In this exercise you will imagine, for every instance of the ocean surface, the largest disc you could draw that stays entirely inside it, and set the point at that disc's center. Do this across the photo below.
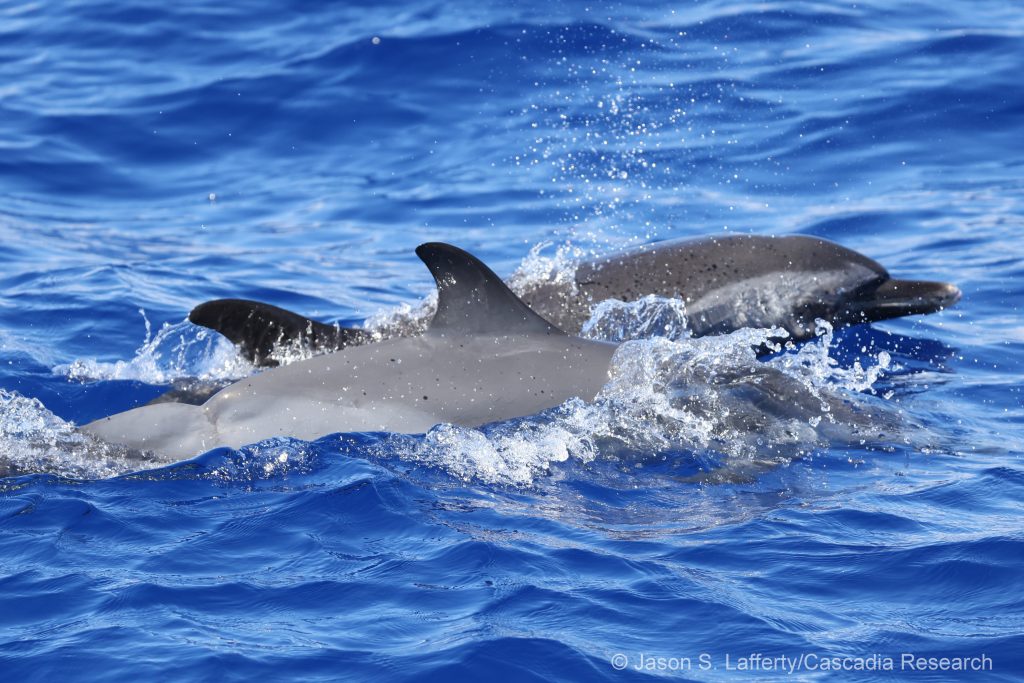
(157, 155)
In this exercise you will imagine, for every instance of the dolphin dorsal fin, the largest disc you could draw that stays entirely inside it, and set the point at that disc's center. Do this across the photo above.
(471, 299)
(258, 329)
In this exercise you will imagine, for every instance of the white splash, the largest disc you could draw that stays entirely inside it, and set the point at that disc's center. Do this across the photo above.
(540, 269)
(646, 318)
(668, 394)
(816, 368)
(178, 351)
(32, 439)
(403, 320)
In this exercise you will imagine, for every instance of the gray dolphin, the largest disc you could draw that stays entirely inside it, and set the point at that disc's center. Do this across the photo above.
(727, 283)
(484, 357)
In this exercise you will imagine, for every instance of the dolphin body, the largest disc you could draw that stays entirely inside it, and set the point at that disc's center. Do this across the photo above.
(727, 283)
(484, 357)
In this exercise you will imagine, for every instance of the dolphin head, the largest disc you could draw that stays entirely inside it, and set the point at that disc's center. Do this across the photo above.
(894, 298)
(861, 290)
(734, 281)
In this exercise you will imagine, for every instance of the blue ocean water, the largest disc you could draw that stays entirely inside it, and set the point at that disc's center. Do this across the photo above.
(154, 157)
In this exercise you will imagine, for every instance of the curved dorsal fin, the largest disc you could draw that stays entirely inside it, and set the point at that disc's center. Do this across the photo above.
(471, 299)
(258, 329)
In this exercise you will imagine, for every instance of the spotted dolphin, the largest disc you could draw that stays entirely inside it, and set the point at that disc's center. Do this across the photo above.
(485, 356)
(727, 283)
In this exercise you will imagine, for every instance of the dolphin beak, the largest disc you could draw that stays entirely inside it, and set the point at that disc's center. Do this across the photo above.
(895, 298)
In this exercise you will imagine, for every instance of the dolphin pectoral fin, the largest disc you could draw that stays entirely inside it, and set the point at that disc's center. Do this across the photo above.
(258, 328)
(471, 299)
(896, 298)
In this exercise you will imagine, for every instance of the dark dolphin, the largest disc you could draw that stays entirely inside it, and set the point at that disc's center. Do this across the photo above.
(727, 283)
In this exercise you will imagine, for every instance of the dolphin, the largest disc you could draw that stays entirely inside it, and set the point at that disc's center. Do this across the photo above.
(726, 282)
(485, 357)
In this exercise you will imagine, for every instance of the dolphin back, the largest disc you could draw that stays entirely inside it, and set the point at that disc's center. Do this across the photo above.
(485, 357)
(727, 282)
(169, 430)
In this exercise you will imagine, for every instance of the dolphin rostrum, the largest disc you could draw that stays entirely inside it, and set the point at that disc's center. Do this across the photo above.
(484, 357)
(727, 283)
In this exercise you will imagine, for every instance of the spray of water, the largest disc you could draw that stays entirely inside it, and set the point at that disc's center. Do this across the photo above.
(711, 399)
(177, 351)
(32, 439)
